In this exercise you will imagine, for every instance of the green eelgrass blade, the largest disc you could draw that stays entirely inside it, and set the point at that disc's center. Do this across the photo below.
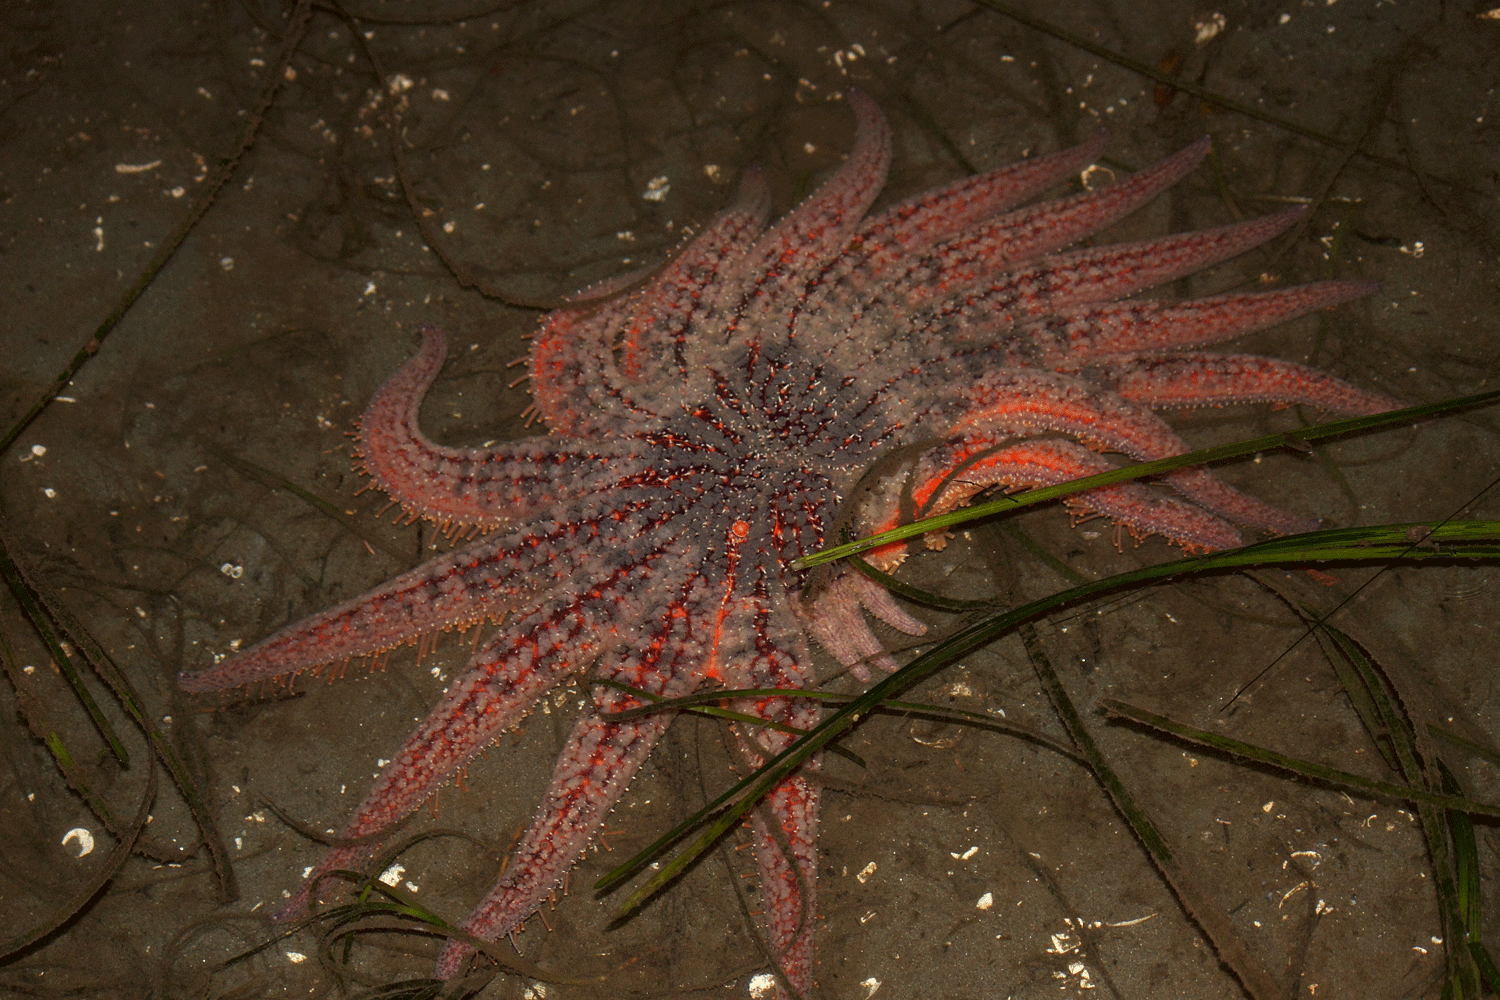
(1393, 724)
(1294, 439)
(379, 906)
(1466, 539)
(1465, 861)
(65, 665)
(1209, 917)
(704, 702)
(1460, 895)
(1462, 979)
(50, 616)
(944, 713)
(1455, 881)
(85, 889)
(1477, 749)
(1457, 887)
(1357, 688)
(660, 704)
(1343, 780)
(32, 710)
(1485, 964)
(916, 594)
(1144, 829)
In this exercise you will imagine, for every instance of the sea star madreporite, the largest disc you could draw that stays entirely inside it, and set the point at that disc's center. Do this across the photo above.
(713, 425)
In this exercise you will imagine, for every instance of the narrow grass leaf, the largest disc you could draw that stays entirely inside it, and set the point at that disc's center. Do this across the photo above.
(1209, 916)
(1343, 780)
(1394, 723)
(1354, 684)
(54, 612)
(1486, 965)
(87, 888)
(1465, 862)
(916, 594)
(42, 625)
(921, 709)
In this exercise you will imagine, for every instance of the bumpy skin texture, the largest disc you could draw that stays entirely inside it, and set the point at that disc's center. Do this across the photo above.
(707, 427)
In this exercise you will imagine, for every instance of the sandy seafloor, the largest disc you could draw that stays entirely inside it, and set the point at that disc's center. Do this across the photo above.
(166, 497)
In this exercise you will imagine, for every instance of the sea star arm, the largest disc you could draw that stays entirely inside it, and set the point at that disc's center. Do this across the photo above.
(1013, 401)
(920, 222)
(577, 386)
(785, 832)
(784, 827)
(835, 618)
(772, 283)
(679, 300)
(1075, 336)
(492, 693)
(899, 277)
(695, 625)
(596, 765)
(574, 385)
(1062, 281)
(486, 487)
(965, 260)
(457, 590)
(1194, 379)
(478, 581)
(883, 246)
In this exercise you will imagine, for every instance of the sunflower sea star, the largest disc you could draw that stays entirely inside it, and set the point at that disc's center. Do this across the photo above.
(706, 429)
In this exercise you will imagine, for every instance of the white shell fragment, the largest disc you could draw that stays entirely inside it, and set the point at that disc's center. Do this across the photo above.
(84, 837)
